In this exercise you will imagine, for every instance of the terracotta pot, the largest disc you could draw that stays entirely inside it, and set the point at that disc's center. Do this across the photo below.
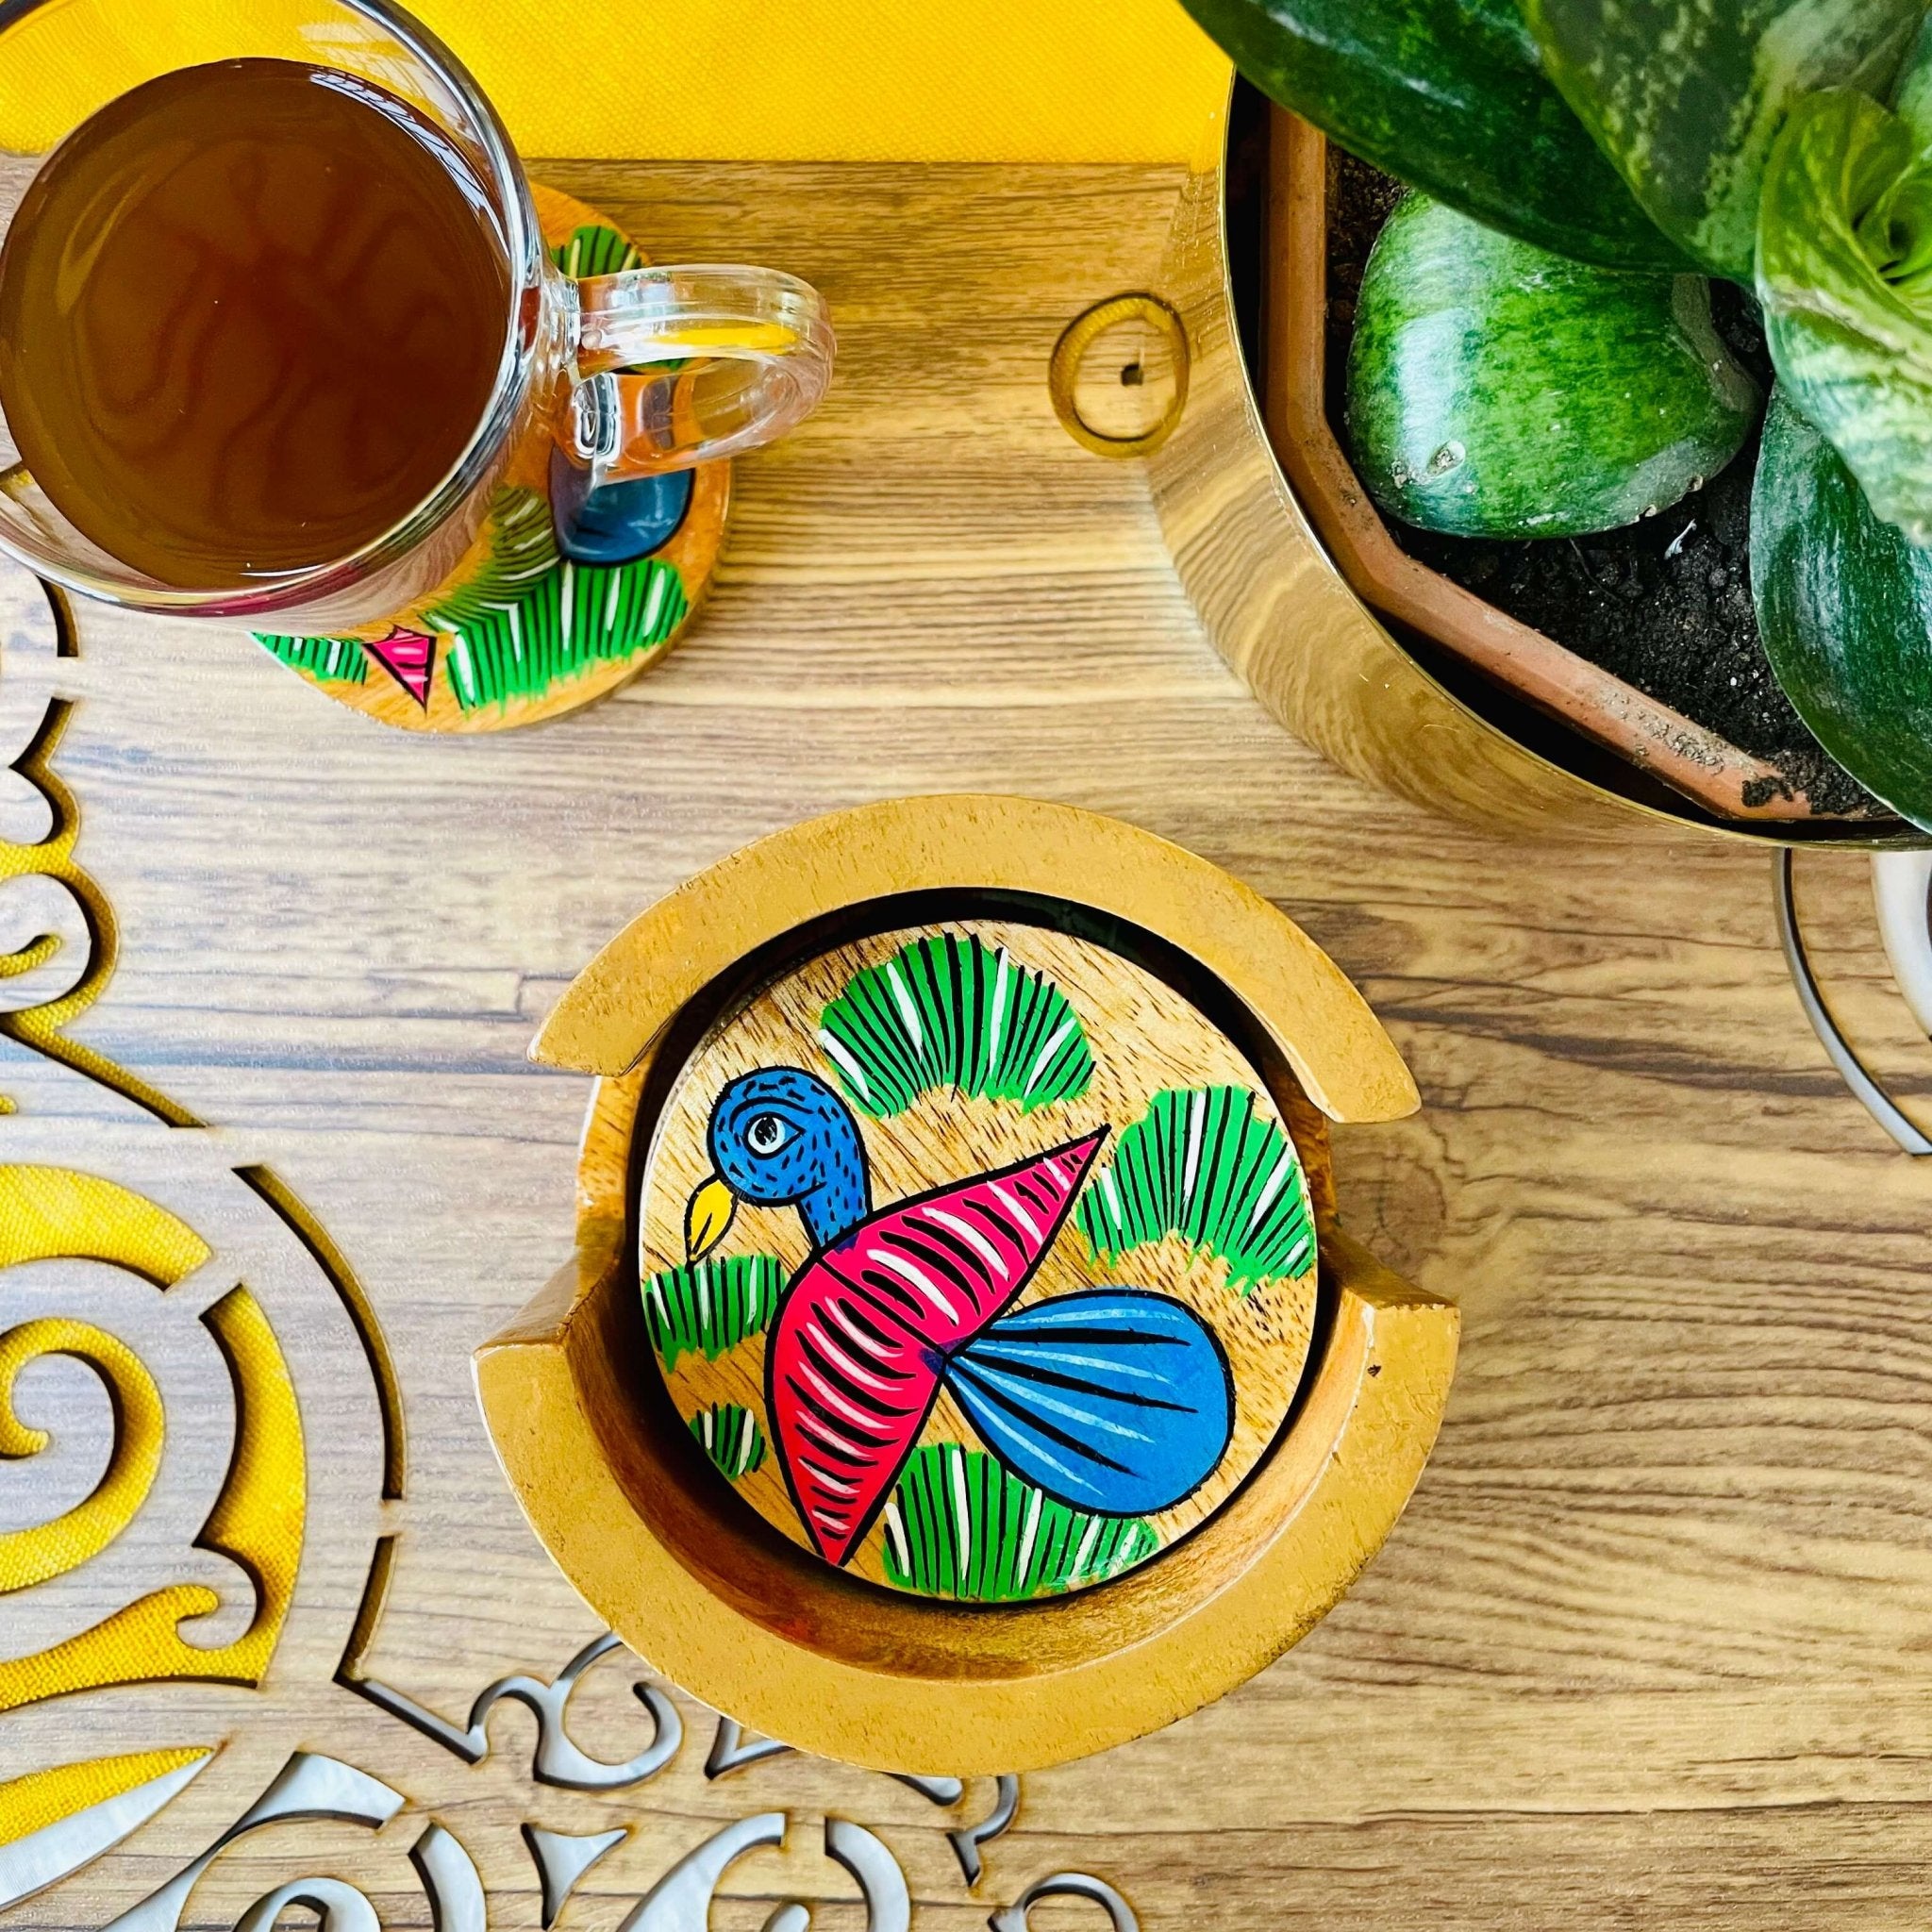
(1692, 760)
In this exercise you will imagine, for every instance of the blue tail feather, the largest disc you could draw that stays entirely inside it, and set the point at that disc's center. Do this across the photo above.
(1114, 1400)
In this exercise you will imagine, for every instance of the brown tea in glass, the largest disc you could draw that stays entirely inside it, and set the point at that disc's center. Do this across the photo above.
(251, 315)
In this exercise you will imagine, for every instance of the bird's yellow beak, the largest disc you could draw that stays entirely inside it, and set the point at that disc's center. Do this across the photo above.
(707, 1218)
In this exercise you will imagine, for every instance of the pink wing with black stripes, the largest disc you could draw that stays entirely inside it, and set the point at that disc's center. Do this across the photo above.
(866, 1330)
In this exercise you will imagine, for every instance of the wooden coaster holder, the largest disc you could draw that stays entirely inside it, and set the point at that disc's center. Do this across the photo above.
(747, 1619)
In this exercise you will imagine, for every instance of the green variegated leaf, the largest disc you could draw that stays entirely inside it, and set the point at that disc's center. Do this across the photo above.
(1446, 95)
(1687, 97)
(1911, 99)
(1844, 275)
(1844, 605)
(1496, 390)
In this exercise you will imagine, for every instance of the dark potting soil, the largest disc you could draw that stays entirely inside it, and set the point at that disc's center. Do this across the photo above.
(1664, 604)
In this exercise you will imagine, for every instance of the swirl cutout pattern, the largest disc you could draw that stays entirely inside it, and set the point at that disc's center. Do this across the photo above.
(257, 1519)
(32, 1555)
(58, 936)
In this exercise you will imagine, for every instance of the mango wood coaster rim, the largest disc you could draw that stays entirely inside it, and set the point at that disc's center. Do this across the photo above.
(746, 1620)
(642, 980)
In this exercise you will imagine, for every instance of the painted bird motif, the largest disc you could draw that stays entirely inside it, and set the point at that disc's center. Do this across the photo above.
(1115, 1400)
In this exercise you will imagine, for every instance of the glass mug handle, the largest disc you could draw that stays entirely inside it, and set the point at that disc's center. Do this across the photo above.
(676, 366)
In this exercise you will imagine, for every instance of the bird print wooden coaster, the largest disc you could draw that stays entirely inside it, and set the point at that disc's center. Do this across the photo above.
(562, 598)
(961, 1366)
(977, 1259)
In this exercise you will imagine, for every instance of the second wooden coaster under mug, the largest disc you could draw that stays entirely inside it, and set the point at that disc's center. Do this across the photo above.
(536, 619)
(339, 375)
(964, 1368)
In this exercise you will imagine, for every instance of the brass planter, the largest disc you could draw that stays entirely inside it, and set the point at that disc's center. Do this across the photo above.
(1281, 611)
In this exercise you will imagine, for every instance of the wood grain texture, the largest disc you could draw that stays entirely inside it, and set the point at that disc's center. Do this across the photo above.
(1648, 1646)
(1311, 1013)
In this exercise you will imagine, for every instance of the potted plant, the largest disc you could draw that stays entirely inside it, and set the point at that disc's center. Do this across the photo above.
(1613, 211)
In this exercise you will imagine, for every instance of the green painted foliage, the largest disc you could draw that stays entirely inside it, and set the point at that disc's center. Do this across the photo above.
(522, 545)
(528, 620)
(1202, 1164)
(569, 620)
(1845, 276)
(959, 1524)
(950, 1012)
(595, 249)
(598, 249)
(1496, 390)
(729, 1435)
(327, 660)
(1687, 97)
(712, 1306)
(1844, 605)
(1448, 96)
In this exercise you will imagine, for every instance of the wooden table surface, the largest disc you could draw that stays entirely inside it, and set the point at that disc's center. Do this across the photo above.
(1653, 1643)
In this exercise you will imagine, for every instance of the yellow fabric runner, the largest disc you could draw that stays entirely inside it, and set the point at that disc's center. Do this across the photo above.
(47, 1797)
(996, 80)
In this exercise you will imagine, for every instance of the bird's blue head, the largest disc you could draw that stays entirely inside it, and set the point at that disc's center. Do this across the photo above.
(781, 1138)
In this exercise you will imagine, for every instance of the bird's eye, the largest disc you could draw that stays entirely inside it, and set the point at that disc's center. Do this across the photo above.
(766, 1134)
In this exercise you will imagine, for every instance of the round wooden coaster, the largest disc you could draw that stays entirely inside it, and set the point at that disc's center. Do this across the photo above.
(977, 1259)
(523, 633)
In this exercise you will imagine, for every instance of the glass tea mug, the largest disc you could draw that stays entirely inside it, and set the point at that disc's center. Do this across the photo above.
(630, 375)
